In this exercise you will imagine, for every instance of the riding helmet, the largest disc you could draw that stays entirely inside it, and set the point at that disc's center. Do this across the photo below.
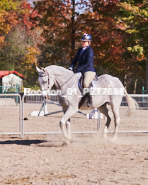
(86, 37)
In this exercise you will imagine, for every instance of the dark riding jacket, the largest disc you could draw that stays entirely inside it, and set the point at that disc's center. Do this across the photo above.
(85, 60)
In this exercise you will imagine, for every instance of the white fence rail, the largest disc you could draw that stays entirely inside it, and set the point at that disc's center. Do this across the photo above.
(49, 124)
(142, 100)
(18, 120)
(10, 114)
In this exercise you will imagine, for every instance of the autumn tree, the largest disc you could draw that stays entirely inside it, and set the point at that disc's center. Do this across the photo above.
(7, 17)
(52, 30)
(20, 43)
(112, 41)
(58, 20)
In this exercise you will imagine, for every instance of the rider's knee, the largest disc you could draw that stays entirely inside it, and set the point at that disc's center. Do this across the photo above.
(85, 84)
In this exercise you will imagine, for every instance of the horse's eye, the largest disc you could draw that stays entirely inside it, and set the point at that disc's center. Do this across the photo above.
(44, 81)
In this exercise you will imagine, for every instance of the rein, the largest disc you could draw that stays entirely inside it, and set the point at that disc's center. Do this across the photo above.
(68, 80)
(53, 80)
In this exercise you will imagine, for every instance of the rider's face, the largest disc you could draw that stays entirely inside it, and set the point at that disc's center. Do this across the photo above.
(84, 43)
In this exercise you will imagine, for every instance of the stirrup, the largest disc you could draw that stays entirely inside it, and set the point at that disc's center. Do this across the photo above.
(89, 104)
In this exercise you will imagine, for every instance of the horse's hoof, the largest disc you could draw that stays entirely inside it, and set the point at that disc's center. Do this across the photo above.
(71, 140)
(105, 136)
(113, 139)
(65, 143)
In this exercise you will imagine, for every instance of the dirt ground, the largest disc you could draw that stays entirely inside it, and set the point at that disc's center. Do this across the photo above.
(43, 160)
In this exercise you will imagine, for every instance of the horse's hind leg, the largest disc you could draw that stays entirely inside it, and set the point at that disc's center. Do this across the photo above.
(103, 109)
(115, 109)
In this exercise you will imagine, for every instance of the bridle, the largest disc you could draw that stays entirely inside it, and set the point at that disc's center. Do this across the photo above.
(48, 80)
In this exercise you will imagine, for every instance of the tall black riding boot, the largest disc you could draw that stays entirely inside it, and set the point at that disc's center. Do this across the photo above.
(89, 100)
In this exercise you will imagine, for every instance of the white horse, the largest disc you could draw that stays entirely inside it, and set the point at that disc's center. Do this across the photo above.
(65, 79)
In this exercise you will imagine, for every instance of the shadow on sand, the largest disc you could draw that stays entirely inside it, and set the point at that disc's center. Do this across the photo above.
(39, 143)
(22, 142)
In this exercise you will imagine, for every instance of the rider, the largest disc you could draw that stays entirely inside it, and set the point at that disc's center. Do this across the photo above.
(85, 58)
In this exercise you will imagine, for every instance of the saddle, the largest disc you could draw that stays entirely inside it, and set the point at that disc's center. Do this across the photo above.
(81, 82)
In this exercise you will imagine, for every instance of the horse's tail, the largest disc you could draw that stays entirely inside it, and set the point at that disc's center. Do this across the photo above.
(132, 103)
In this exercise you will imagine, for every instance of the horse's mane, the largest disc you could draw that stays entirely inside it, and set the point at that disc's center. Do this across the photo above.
(58, 70)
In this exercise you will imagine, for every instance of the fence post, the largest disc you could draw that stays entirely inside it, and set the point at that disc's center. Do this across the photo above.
(99, 121)
(142, 93)
(22, 115)
(17, 93)
(5, 91)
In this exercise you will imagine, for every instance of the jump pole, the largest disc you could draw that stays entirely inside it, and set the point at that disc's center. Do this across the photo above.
(41, 109)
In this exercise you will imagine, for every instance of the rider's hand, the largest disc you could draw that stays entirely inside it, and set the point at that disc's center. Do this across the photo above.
(70, 68)
(75, 70)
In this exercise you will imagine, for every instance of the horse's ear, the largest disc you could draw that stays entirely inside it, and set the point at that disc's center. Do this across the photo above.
(38, 70)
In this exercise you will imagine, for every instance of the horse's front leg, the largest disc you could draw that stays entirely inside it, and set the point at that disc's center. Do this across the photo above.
(67, 134)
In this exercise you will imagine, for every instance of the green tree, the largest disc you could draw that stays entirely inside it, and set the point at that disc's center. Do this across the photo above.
(134, 14)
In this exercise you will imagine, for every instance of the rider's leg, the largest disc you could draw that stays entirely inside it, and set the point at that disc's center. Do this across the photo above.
(88, 77)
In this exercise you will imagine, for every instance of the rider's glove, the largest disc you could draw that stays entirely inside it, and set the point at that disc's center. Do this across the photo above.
(70, 68)
(75, 70)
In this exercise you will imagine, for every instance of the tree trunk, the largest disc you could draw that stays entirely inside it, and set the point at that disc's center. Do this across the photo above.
(147, 71)
(124, 79)
(73, 30)
(135, 86)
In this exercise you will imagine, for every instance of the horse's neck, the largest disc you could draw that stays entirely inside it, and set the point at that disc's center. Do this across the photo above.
(61, 75)
(65, 82)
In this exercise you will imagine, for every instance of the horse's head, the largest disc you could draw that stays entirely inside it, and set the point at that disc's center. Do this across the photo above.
(45, 80)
